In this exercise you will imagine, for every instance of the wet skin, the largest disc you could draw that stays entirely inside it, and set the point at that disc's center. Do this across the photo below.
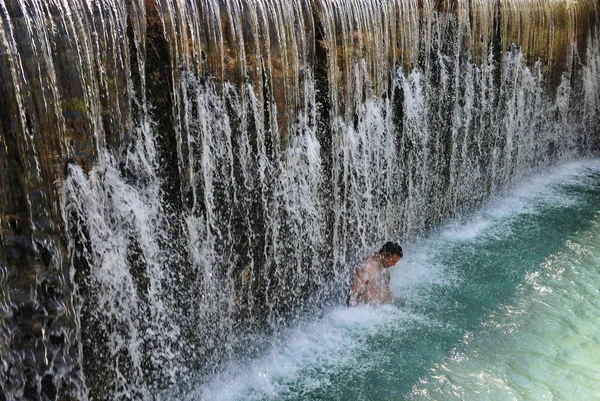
(371, 281)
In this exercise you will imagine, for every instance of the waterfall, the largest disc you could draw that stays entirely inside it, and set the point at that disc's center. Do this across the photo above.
(180, 175)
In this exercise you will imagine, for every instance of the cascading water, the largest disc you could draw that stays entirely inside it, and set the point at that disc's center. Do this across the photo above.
(184, 174)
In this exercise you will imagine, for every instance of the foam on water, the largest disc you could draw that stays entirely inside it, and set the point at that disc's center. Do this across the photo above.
(520, 348)
(302, 358)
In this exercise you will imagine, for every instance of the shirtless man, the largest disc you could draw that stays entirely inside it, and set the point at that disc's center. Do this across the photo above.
(371, 281)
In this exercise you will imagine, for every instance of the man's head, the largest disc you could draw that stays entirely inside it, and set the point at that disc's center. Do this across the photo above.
(390, 253)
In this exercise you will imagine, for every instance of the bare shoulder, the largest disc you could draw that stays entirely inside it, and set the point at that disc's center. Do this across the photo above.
(366, 267)
(372, 262)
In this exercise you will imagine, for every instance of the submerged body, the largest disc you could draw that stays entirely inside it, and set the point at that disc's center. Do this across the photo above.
(371, 281)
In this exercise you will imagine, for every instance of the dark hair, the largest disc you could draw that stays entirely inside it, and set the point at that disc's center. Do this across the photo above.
(391, 248)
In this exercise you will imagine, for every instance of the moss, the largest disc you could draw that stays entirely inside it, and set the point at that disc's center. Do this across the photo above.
(74, 104)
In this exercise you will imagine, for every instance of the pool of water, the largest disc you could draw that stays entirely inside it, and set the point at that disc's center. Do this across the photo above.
(502, 304)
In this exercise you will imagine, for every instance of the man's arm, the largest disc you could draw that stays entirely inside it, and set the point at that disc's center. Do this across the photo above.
(386, 295)
(356, 287)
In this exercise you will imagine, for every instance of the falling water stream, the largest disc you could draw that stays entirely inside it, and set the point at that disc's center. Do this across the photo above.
(499, 304)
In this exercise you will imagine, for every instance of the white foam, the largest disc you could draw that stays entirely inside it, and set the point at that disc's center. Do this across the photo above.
(303, 357)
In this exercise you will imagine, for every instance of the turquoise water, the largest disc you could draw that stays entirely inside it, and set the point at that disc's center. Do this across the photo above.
(502, 304)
